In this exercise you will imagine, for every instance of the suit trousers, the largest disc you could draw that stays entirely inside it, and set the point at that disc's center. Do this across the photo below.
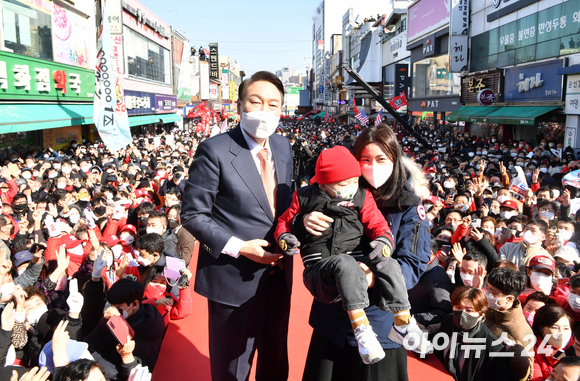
(235, 333)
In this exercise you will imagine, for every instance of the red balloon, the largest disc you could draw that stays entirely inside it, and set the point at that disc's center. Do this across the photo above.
(356, 126)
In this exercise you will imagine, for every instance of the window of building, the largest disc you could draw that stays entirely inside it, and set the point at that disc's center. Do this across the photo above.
(27, 29)
(145, 58)
(431, 77)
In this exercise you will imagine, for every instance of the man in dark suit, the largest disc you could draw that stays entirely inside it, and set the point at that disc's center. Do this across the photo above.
(235, 193)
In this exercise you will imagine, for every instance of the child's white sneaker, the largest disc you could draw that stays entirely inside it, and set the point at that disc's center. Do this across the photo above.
(369, 346)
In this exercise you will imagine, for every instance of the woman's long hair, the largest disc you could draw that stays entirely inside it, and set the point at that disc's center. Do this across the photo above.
(392, 190)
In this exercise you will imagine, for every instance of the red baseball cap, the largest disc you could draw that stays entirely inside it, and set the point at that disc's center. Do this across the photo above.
(510, 205)
(111, 240)
(70, 241)
(129, 228)
(543, 262)
(141, 193)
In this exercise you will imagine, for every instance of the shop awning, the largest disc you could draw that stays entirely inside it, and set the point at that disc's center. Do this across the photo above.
(143, 119)
(500, 114)
(321, 114)
(31, 117)
(170, 118)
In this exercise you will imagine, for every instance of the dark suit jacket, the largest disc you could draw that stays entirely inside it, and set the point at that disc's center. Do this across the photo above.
(224, 197)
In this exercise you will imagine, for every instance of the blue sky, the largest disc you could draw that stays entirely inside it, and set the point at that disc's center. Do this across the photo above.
(259, 34)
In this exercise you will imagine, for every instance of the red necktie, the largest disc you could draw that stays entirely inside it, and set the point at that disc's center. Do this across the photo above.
(268, 179)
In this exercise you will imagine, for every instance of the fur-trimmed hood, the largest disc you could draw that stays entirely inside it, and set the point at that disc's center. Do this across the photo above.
(416, 182)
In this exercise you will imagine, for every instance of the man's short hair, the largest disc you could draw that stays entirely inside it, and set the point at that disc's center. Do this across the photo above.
(508, 281)
(160, 215)
(265, 76)
(174, 191)
(541, 224)
(151, 243)
(145, 208)
(125, 291)
(476, 256)
(569, 361)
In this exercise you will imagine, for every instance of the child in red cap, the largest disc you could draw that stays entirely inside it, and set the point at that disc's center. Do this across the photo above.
(332, 272)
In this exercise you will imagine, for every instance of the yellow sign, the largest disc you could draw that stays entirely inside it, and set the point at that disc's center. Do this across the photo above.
(59, 138)
(232, 91)
(476, 85)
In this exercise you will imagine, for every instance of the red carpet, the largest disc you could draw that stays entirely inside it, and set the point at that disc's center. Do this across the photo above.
(185, 351)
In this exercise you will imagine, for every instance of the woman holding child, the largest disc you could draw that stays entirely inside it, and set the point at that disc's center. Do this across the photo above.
(398, 186)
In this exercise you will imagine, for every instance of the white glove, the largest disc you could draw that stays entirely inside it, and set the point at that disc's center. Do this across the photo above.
(75, 300)
(90, 219)
(140, 373)
(118, 212)
(53, 229)
(99, 265)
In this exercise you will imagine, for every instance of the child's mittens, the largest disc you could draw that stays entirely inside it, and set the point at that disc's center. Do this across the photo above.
(288, 243)
(381, 252)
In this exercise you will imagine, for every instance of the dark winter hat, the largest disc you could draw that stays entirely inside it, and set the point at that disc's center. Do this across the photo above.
(336, 164)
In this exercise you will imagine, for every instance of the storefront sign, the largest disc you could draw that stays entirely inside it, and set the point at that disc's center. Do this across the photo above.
(213, 91)
(139, 102)
(572, 106)
(69, 38)
(29, 78)
(570, 137)
(426, 16)
(486, 97)
(165, 103)
(458, 59)
(471, 85)
(59, 138)
(446, 104)
(401, 79)
(459, 18)
(214, 65)
(204, 80)
(232, 91)
(114, 13)
(429, 46)
(142, 18)
(538, 82)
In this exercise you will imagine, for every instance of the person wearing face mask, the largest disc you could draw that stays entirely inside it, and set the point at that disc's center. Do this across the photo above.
(504, 314)
(522, 253)
(472, 270)
(127, 236)
(248, 167)
(554, 321)
(332, 273)
(469, 308)
(125, 297)
(541, 276)
(185, 241)
(568, 297)
(567, 256)
(170, 307)
(157, 223)
(430, 298)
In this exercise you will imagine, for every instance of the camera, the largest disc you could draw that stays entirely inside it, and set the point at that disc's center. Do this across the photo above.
(177, 176)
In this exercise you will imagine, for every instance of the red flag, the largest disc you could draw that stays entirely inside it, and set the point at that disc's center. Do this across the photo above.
(399, 101)
(326, 117)
(354, 105)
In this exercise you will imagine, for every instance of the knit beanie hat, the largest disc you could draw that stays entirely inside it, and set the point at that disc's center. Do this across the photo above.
(336, 164)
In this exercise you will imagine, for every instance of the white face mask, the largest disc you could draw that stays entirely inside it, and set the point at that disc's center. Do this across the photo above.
(461, 207)
(541, 282)
(35, 315)
(467, 279)
(52, 175)
(26, 175)
(151, 229)
(127, 239)
(259, 124)
(547, 214)
(492, 301)
(574, 302)
(344, 193)
(505, 214)
(74, 218)
(85, 168)
(61, 185)
(451, 275)
(7, 289)
(56, 166)
(544, 170)
(565, 235)
(66, 170)
(530, 238)
(143, 261)
(376, 175)
(503, 198)
(117, 251)
(490, 231)
(448, 184)
(560, 340)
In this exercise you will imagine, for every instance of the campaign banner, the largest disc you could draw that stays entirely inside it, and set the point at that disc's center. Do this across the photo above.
(572, 178)
(109, 110)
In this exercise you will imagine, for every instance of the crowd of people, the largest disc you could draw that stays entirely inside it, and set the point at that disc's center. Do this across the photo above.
(97, 250)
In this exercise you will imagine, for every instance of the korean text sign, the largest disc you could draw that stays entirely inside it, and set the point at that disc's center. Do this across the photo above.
(29, 78)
